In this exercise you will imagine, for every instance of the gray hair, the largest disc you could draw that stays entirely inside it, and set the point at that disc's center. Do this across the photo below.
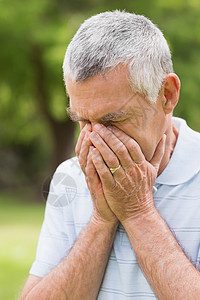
(107, 39)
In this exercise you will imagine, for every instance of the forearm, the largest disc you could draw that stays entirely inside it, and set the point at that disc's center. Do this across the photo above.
(167, 269)
(80, 274)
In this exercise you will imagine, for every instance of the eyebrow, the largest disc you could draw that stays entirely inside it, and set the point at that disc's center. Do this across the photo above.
(106, 118)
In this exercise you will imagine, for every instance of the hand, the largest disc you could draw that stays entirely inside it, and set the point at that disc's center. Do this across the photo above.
(82, 146)
(129, 190)
(101, 209)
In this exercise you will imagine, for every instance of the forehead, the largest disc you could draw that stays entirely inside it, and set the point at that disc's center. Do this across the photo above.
(100, 95)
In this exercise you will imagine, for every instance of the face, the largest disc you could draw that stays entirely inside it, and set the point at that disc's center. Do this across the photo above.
(110, 100)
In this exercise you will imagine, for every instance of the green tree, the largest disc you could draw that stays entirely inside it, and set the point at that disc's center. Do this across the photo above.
(35, 130)
(34, 36)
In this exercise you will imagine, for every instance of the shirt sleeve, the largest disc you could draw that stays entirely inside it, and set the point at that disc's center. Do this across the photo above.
(54, 244)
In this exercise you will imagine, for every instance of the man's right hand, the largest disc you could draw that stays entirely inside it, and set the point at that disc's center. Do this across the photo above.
(101, 209)
(83, 145)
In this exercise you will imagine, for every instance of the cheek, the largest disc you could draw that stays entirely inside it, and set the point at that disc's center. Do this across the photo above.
(147, 143)
(152, 138)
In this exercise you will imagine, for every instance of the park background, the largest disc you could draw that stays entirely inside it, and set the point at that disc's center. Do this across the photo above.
(35, 132)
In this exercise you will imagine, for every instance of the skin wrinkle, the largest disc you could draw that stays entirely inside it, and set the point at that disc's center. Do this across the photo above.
(136, 112)
(132, 147)
(104, 119)
(118, 153)
(136, 192)
(98, 140)
(138, 174)
(121, 148)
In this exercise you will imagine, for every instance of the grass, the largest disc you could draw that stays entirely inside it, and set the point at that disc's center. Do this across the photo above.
(20, 224)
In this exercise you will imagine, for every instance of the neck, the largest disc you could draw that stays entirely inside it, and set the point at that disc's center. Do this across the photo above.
(172, 135)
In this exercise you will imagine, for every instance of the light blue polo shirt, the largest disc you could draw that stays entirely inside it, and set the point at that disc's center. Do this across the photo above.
(69, 208)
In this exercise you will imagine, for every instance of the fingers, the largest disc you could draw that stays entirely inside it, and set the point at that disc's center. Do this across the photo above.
(84, 151)
(107, 154)
(117, 147)
(126, 149)
(158, 155)
(132, 146)
(86, 128)
(82, 147)
(101, 209)
(102, 170)
(91, 174)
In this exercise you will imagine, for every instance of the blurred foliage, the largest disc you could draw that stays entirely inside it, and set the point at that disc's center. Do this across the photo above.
(45, 27)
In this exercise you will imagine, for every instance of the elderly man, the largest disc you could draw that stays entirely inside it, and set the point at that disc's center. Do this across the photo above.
(122, 219)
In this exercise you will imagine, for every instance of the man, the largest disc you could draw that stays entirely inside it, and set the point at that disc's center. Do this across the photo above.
(128, 227)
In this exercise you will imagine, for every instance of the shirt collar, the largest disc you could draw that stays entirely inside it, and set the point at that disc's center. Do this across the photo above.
(185, 160)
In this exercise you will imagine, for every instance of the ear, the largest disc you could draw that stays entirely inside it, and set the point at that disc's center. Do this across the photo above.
(171, 92)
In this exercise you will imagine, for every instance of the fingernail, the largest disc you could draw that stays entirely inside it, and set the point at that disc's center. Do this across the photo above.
(111, 128)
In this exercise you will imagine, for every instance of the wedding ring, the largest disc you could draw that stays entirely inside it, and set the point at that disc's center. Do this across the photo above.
(113, 170)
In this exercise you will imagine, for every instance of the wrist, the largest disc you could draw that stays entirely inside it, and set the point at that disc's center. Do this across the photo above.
(141, 217)
(97, 221)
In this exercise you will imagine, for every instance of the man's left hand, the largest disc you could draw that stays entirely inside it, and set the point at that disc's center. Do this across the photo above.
(129, 191)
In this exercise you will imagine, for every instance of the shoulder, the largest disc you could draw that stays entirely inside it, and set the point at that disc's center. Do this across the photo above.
(69, 170)
(67, 182)
(69, 165)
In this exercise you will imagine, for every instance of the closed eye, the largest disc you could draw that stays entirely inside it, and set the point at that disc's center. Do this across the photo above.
(120, 121)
